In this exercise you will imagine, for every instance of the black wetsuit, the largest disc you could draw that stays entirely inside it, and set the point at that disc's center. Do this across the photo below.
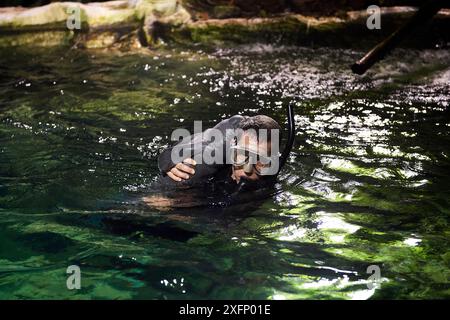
(199, 143)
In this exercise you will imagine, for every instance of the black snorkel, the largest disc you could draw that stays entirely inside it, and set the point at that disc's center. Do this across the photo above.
(291, 137)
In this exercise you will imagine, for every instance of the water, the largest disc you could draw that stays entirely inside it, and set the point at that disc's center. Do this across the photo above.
(366, 184)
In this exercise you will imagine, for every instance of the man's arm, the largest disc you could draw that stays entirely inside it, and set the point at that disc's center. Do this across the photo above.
(164, 161)
(182, 170)
(190, 145)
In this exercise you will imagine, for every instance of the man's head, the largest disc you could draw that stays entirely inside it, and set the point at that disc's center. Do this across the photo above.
(254, 147)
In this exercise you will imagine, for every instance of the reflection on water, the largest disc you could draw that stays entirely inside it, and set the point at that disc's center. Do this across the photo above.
(367, 182)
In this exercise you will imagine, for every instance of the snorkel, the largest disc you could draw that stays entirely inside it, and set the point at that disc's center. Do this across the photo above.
(291, 137)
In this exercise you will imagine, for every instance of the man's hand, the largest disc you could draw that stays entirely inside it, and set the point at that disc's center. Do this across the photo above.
(182, 171)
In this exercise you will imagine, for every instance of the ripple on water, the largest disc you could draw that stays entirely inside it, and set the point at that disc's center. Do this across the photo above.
(366, 184)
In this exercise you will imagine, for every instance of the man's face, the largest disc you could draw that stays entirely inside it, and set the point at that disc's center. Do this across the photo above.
(250, 142)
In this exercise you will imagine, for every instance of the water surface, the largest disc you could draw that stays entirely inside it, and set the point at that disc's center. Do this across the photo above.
(366, 184)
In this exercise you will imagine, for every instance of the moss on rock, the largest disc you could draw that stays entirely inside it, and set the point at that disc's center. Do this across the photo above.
(54, 16)
(39, 39)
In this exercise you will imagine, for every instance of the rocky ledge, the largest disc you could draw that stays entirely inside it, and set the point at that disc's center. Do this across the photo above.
(135, 24)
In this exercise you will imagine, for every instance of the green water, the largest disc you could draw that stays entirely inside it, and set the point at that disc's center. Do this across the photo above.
(366, 184)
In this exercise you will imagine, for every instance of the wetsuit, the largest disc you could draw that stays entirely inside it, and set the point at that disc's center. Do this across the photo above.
(200, 143)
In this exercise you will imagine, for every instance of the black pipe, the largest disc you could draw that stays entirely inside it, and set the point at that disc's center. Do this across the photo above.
(425, 13)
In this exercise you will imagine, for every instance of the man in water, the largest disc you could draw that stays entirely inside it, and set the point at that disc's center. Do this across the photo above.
(238, 150)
